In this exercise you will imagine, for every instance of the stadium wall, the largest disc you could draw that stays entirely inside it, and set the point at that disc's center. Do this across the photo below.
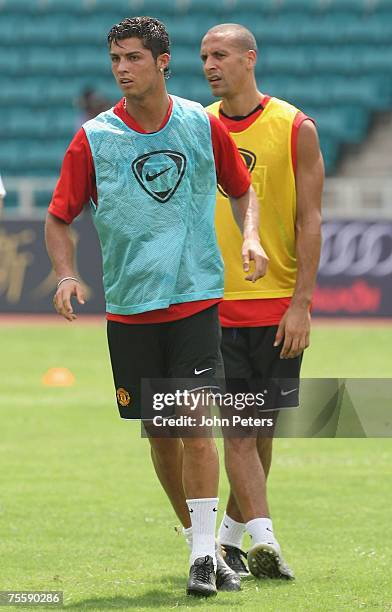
(355, 276)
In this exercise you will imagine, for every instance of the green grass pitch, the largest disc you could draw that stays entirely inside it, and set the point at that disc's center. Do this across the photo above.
(81, 510)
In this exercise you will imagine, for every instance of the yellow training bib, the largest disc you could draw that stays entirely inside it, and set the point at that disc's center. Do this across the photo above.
(266, 149)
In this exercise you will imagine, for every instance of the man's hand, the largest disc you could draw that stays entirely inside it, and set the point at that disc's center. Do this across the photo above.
(253, 251)
(62, 298)
(294, 329)
(246, 214)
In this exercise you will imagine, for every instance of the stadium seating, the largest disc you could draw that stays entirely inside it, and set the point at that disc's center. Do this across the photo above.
(331, 58)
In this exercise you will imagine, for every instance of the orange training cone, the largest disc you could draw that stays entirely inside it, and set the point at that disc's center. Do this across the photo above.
(58, 377)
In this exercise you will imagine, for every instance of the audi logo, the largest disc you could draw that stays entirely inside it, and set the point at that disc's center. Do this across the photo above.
(356, 248)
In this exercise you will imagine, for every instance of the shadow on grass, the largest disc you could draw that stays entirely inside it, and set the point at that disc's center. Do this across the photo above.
(165, 598)
(153, 599)
(161, 597)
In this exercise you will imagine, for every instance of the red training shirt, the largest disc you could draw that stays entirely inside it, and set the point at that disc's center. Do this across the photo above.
(77, 185)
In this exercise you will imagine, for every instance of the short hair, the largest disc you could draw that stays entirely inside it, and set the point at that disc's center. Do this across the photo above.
(149, 30)
(242, 36)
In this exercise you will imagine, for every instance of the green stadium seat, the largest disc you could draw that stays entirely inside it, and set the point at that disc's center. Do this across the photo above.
(206, 7)
(340, 127)
(12, 159)
(20, 92)
(190, 30)
(382, 5)
(25, 125)
(45, 31)
(271, 31)
(37, 124)
(161, 10)
(94, 7)
(301, 6)
(90, 60)
(50, 156)
(330, 150)
(45, 7)
(353, 6)
(377, 60)
(332, 57)
(325, 60)
(267, 7)
(65, 7)
(11, 64)
(24, 7)
(185, 60)
(88, 32)
(287, 60)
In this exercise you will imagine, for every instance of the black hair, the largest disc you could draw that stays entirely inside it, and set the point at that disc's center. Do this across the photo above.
(149, 30)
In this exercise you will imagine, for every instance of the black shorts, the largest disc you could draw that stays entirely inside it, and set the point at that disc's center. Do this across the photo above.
(252, 365)
(185, 354)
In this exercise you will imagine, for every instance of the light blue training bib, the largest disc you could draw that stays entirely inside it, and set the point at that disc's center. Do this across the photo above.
(155, 210)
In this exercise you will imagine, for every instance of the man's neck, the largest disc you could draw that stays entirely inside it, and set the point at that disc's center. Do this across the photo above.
(242, 103)
(149, 111)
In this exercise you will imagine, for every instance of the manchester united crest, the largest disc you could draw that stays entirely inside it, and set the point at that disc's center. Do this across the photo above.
(123, 397)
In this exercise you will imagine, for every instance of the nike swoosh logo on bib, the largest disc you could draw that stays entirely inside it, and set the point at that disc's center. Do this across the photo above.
(152, 177)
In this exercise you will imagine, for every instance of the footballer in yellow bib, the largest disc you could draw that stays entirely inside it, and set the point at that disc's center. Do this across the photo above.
(266, 324)
(266, 146)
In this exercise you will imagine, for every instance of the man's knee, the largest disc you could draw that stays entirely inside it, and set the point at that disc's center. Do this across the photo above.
(264, 444)
(165, 447)
(239, 446)
(199, 445)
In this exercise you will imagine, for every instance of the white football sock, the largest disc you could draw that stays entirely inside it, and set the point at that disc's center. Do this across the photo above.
(261, 531)
(231, 532)
(203, 518)
(188, 536)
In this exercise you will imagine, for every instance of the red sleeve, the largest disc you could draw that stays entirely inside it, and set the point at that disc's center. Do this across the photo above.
(298, 121)
(76, 184)
(231, 171)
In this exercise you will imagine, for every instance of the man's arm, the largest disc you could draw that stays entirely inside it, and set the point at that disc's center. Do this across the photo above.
(294, 327)
(60, 248)
(246, 214)
(75, 187)
(234, 178)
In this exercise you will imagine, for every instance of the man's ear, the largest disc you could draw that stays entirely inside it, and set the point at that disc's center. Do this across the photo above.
(251, 58)
(163, 61)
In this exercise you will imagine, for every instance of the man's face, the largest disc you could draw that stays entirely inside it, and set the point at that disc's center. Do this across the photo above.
(134, 67)
(226, 66)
